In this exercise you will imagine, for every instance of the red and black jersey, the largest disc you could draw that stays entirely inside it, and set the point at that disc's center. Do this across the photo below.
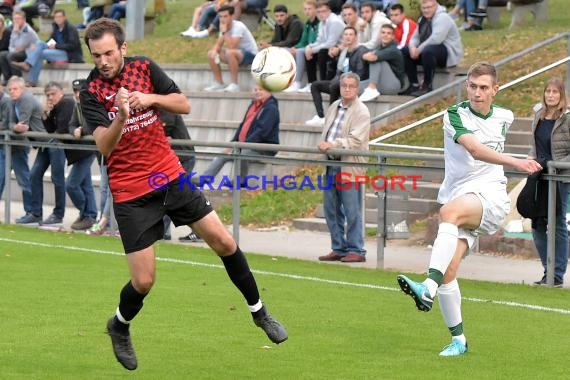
(143, 148)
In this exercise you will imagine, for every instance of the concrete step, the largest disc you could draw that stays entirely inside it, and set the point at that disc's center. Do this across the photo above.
(193, 77)
(521, 124)
(517, 149)
(519, 138)
(294, 134)
(294, 108)
(393, 214)
(317, 224)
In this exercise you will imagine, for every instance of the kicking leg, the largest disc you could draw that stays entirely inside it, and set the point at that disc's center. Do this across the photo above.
(464, 211)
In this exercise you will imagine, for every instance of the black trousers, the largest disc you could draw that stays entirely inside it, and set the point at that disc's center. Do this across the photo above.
(331, 87)
(323, 63)
(432, 56)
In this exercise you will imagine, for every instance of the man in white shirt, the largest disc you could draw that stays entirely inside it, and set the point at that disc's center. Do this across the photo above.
(235, 46)
(374, 21)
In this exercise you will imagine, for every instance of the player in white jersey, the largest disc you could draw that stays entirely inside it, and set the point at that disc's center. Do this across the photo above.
(473, 195)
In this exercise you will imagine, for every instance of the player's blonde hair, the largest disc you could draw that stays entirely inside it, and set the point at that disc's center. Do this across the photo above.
(483, 68)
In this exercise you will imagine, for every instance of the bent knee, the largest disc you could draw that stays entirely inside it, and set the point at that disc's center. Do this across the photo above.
(448, 214)
(143, 283)
(223, 244)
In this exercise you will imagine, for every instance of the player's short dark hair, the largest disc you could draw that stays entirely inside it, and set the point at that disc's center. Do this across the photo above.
(397, 7)
(323, 3)
(53, 84)
(368, 4)
(351, 28)
(351, 6)
(103, 26)
(56, 11)
(227, 8)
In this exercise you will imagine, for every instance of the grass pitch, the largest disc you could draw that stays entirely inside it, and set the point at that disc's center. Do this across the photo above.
(344, 323)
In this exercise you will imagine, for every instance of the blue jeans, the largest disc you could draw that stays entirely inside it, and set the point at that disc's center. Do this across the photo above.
(22, 171)
(256, 4)
(118, 11)
(539, 227)
(208, 16)
(106, 200)
(36, 58)
(80, 188)
(344, 207)
(46, 157)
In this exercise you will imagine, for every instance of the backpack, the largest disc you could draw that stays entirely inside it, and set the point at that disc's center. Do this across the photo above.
(532, 201)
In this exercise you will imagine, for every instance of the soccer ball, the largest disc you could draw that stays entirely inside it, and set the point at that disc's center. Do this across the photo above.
(274, 69)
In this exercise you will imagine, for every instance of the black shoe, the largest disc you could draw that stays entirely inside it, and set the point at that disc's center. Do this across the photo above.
(122, 346)
(167, 237)
(409, 90)
(474, 28)
(192, 237)
(479, 12)
(542, 281)
(558, 283)
(422, 91)
(51, 220)
(274, 330)
(29, 218)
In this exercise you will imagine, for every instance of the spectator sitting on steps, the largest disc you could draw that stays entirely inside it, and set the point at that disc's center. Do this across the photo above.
(63, 46)
(288, 29)
(235, 46)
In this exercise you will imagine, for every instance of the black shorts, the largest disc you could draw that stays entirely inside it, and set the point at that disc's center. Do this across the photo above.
(140, 220)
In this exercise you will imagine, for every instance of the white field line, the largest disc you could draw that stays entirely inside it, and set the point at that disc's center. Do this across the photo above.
(289, 276)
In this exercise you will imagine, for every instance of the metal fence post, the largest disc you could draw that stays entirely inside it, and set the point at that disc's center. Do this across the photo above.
(135, 20)
(236, 193)
(381, 218)
(551, 230)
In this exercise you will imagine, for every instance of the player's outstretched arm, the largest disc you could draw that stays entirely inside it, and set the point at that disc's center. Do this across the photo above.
(482, 152)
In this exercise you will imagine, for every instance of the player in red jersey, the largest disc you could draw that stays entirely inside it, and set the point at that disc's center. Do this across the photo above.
(119, 103)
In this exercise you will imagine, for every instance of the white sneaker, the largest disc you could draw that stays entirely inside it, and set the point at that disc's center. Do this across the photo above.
(307, 88)
(369, 94)
(293, 88)
(232, 87)
(316, 121)
(190, 32)
(201, 34)
(215, 87)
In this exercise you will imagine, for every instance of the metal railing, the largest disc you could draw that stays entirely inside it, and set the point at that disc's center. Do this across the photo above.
(458, 84)
(380, 162)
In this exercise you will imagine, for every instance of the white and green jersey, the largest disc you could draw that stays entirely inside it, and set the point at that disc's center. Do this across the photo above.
(463, 173)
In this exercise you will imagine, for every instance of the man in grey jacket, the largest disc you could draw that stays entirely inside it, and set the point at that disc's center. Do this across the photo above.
(331, 29)
(435, 43)
(22, 40)
(24, 115)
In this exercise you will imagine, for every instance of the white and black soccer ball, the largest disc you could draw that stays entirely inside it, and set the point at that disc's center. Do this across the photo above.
(274, 68)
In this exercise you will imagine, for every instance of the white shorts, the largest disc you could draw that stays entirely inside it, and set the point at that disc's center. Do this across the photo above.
(496, 206)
